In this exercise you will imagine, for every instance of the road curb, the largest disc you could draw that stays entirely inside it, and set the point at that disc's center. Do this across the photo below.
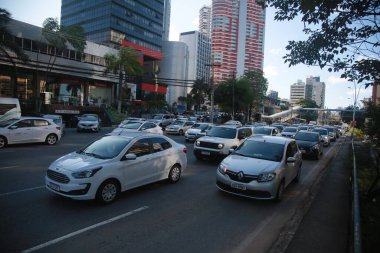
(288, 231)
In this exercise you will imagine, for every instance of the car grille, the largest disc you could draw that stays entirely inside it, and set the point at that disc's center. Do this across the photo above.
(247, 193)
(204, 144)
(58, 177)
(244, 179)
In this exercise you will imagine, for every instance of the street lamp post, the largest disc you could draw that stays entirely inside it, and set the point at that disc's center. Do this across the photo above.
(212, 65)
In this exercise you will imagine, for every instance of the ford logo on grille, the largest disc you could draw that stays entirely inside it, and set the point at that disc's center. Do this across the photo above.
(240, 175)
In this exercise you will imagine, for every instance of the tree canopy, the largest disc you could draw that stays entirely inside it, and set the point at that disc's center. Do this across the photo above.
(308, 115)
(343, 36)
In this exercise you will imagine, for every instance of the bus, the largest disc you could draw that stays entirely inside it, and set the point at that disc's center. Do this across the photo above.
(9, 108)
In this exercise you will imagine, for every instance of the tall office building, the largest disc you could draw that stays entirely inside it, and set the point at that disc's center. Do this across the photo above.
(297, 92)
(199, 46)
(139, 24)
(316, 90)
(205, 20)
(237, 37)
(166, 24)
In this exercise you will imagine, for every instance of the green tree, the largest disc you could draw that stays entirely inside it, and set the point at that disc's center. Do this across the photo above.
(259, 85)
(308, 115)
(8, 46)
(59, 37)
(153, 101)
(124, 63)
(342, 36)
(199, 92)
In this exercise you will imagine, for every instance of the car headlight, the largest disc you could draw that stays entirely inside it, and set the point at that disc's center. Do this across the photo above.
(220, 145)
(85, 173)
(197, 143)
(315, 146)
(222, 169)
(266, 177)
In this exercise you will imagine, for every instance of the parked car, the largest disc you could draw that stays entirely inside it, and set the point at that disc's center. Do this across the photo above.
(261, 167)
(148, 127)
(179, 127)
(233, 122)
(196, 131)
(131, 119)
(29, 130)
(115, 163)
(324, 134)
(289, 132)
(280, 127)
(332, 132)
(57, 119)
(163, 120)
(88, 122)
(219, 140)
(266, 130)
(310, 144)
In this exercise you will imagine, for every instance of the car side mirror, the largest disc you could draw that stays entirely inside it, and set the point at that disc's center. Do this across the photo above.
(231, 150)
(130, 157)
(291, 160)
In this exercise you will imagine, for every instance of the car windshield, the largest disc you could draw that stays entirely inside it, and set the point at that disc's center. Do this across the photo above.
(261, 150)
(158, 117)
(178, 122)
(222, 132)
(89, 118)
(262, 130)
(106, 147)
(7, 122)
(303, 128)
(306, 136)
(290, 129)
(320, 131)
(132, 125)
(200, 126)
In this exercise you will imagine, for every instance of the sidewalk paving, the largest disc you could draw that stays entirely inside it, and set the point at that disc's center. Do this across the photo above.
(326, 226)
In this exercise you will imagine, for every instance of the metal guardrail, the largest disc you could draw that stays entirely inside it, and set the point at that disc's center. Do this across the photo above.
(357, 245)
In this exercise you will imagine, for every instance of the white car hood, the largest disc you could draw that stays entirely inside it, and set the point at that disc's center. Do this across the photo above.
(251, 166)
(193, 131)
(75, 162)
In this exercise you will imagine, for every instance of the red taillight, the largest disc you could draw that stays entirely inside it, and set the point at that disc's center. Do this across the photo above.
(184, 150)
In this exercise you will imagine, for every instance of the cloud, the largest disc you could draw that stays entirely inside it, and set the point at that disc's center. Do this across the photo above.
(336, 80)
(276, 51)
(270, 71)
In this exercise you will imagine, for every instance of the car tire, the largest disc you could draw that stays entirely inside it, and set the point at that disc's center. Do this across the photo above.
(51, 139)
(280, 191)
(180, 132)
(108, 191)
(3, 141)
(174, 173)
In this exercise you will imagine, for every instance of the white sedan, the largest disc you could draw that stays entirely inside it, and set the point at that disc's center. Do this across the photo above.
(148, 127)
(115, 163)
(29, 130)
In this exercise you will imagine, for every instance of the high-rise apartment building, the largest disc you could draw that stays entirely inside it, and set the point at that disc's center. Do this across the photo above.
(199, 46)
(297, 92)
(166, 24)
(205, 20)
(316, 90)
(237, 37)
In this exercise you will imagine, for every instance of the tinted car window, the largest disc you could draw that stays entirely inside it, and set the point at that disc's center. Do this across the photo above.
(140, 148)
(261, 150)
(39, 123)
(262, 130)
(306, 136)
(160, 144)
(291, 149)
(290, 129)
(24, 123)
(320, 131)
(222, 132)
(106, 147)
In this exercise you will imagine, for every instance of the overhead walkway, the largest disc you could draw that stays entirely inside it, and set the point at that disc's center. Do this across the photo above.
(284, 115)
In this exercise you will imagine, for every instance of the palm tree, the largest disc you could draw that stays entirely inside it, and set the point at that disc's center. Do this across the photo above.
(199, 91)
(125, 63)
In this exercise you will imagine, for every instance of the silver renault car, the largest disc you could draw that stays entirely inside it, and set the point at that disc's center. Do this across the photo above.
(261, 167)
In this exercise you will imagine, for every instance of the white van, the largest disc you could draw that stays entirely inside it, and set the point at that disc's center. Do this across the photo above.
(9, 108)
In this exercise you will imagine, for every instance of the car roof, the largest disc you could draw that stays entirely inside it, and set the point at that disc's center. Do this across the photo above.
(134, 134)
(269, 138)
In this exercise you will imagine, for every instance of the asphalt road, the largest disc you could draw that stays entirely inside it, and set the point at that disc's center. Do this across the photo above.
(190, 216)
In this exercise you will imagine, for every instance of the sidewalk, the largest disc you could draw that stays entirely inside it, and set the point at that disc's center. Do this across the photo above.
(326, 226)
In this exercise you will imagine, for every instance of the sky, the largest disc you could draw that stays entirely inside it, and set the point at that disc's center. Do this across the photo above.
(184, 18)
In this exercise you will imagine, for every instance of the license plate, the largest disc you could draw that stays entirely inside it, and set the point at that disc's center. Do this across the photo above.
(205, 153)
(53, 186)
(238, 186)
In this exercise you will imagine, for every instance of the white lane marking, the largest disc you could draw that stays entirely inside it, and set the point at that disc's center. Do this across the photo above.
(24, 190)
(9, 167)
(54, 241)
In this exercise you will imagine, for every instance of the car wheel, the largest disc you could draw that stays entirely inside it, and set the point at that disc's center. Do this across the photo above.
(175, 174)
(180, 132)
(108, 191)
(51, 139)
(280, 191)
(3, 141)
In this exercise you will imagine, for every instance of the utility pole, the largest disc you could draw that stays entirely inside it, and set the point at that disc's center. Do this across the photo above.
(233, 93)
(212, 65)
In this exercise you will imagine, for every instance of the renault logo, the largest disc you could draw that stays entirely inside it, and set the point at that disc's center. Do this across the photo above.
(240, 175)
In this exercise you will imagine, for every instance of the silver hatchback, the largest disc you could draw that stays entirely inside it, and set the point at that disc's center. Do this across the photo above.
(261, 167)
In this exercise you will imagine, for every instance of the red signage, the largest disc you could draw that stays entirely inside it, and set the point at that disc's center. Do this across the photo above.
(145, 51)
(153, 88)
